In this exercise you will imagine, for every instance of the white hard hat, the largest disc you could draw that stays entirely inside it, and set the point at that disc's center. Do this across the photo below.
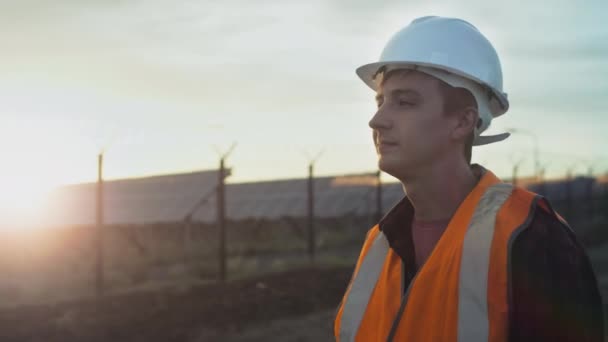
(453, 51)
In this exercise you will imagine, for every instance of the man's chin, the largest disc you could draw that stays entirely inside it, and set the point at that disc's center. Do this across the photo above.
(390, 166)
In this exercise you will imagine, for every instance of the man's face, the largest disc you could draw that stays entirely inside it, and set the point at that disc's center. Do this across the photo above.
(410, 129)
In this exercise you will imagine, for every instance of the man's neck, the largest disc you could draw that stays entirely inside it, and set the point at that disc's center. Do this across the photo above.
(437, 193)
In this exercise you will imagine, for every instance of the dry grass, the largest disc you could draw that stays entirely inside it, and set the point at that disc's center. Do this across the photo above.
(56, 265)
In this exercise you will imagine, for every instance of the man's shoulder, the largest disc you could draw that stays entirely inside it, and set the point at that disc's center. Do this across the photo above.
(552, 278)
(544, 222)
(546, 225)
(550, 238)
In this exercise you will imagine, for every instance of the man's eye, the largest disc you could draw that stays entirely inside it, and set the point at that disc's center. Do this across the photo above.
(405, 103)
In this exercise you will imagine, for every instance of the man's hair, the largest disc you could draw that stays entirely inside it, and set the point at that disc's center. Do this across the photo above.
(454, 99)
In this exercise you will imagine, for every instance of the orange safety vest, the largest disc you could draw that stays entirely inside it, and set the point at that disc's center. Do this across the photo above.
(460, 293)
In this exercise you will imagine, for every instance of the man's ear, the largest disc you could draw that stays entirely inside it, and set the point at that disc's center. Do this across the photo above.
(466, 121)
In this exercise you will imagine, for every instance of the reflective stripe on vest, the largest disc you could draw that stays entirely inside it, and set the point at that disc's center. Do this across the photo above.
(362, 288)
(473, 322)
(475, 263)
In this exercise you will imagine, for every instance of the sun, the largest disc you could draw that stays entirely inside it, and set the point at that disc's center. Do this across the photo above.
(23, 201)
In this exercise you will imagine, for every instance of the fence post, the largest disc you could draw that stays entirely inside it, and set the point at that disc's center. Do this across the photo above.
(569, 209)
(221, 217)
(378, 197)
(311, 213)
(590, 197)
(99, 276)
(514, 176)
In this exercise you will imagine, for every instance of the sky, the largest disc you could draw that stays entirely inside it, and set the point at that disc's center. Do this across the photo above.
(165, 86)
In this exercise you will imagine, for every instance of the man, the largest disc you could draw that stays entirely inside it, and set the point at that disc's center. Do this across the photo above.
(464, 257)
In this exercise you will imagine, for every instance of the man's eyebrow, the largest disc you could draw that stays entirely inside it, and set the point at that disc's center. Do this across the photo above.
(397, 92)
(406, 91)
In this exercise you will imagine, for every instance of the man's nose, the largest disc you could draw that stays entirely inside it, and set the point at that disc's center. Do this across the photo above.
(380, 120)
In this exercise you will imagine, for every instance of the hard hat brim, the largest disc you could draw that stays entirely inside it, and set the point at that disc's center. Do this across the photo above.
(488, 139)
(367, 73)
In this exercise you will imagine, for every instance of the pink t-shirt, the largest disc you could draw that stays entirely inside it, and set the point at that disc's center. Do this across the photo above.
(425, 235)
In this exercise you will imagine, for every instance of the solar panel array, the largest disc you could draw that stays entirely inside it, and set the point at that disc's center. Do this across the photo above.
(171, 198)
(576, 188)
(289, 198)
(144, 200)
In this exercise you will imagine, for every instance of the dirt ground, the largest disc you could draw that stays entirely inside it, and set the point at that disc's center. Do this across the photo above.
(293, 306)
(317, 327)
(277, 307)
